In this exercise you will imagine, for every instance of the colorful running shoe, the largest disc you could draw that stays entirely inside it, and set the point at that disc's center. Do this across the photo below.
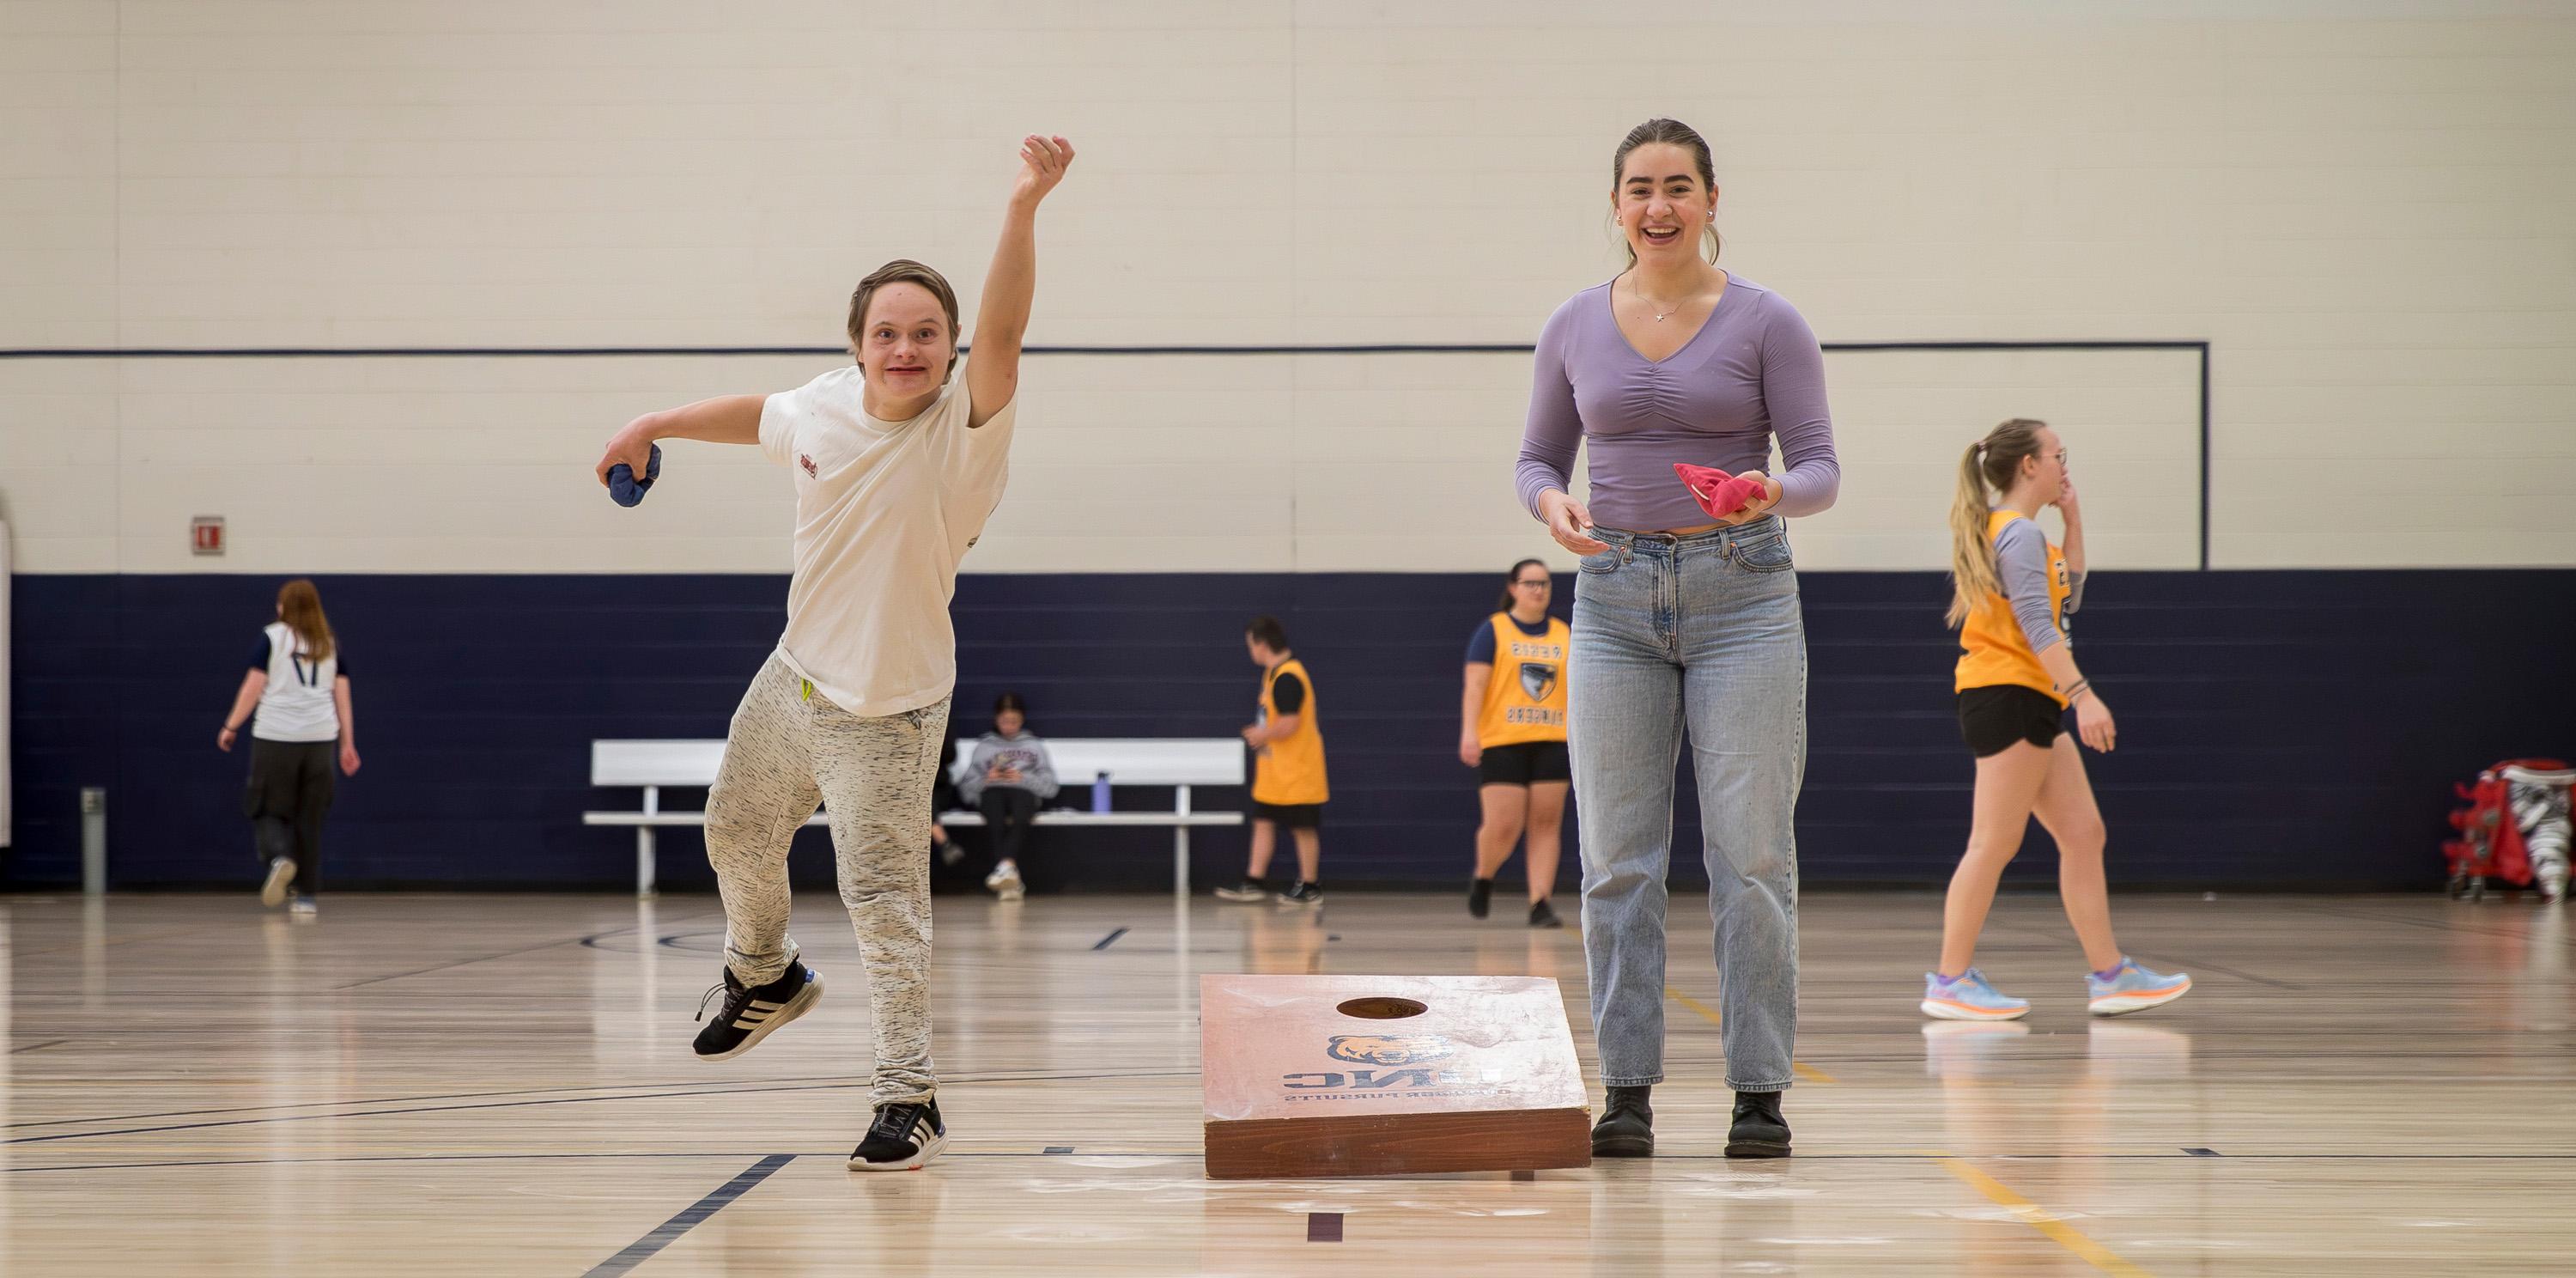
(2131, 988)
(1967, 997)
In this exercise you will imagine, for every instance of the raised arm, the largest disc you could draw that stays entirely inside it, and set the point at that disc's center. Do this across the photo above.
(1002, 317)
(726, 419)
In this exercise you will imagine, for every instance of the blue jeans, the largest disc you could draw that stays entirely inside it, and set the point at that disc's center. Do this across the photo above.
(1701, 635)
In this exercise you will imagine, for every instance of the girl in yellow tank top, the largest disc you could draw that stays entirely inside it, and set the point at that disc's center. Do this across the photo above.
(2011, 593)
(1288, 785)
(1511, 729)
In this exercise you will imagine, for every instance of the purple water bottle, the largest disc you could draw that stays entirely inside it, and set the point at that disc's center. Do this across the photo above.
(1100, 793)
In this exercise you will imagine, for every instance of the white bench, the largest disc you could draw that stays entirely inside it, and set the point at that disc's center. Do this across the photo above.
(1157, 761)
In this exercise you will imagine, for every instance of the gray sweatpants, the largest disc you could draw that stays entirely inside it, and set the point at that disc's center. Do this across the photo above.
(787, 751)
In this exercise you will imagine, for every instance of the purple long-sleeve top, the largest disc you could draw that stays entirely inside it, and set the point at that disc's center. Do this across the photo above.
(1752, 371)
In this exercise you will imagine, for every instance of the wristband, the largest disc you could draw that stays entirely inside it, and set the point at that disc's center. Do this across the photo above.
(2081, 687)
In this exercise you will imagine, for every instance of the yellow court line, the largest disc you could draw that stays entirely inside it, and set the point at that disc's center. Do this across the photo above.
(2038, 1217)
(1804, 1070)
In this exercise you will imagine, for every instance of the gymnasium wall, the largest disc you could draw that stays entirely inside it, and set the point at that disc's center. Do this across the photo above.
(2359, 209)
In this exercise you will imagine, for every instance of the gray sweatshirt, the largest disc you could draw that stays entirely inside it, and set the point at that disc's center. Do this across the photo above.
(1023, 752)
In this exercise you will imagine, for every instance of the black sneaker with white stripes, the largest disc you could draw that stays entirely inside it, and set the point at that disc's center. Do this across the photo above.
(904, 1137)
(751, 1011)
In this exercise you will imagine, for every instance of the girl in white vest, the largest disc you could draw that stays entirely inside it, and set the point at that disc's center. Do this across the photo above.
(298, 684)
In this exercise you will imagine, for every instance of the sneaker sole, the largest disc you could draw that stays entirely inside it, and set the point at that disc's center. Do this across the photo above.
(1624, 1147)
(1287, 904)
(804, 1002)
(2123, 1004)
(1963, 1012)
(272, 891)
(920, 1156)
(1242, 898)
(1011, 893)
(1757, 1149)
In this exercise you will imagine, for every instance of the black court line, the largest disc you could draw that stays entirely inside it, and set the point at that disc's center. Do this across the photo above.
(2198, 1152)
(2177, 960)
(2433, 924)
(643, 1249)
(1111, 939)
(1059, 1149)
(855, 1084)
(2185, 1155)
(38, 1047)
(1323, 1226)
(647, 1089)
(379, 980)
(2201, 348)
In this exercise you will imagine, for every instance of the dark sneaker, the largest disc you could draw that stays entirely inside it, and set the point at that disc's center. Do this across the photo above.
(1480, 897)
(904, 1137)
(1304, 894)
(281, 872)
(750, 1012)
(1247, 892)
(1759, 1131)
(1541, 915)
(302, 907)
(1627, 1126)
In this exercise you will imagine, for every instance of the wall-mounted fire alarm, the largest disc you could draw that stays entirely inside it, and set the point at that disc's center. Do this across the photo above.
(206, 534)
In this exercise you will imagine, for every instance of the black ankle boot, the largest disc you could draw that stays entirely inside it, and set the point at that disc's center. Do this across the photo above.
(1627, 1126)
(1759, 1131)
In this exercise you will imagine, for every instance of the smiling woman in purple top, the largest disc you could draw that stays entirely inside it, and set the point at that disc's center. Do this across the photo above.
(1683, 628)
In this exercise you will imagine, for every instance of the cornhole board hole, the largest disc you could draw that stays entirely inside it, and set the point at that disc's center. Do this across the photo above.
(1388, 1075)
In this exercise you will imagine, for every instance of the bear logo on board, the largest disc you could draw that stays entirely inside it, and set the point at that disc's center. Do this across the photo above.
(1387, 1049)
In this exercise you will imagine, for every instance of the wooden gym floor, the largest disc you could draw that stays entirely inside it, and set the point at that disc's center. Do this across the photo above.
(503, 1085)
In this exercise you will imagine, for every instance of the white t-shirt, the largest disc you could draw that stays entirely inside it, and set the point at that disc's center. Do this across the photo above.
(884, 511)
(296, 704)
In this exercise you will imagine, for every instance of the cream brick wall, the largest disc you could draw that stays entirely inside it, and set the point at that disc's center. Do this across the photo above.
(2365, 208)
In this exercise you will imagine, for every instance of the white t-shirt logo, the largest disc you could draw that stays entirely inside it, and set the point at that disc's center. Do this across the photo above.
(808, 464)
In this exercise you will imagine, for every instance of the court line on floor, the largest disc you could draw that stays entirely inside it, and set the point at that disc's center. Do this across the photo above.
(855, 1084)
(1803, 1069)
(669, 1231)
(378, 980)
(2433, 924)
(85, 943)
(38, 1047)
(1111, 939)
(1043, 1155)
(958, 1080)
(2039, 1218)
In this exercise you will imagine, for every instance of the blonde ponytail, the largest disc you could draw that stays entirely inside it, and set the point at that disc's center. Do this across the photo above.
(1972, 553)
(1993, 460)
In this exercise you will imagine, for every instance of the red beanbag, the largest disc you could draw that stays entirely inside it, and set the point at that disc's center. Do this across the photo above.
(1719, 493)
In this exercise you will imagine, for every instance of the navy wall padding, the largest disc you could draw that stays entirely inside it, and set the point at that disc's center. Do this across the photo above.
(2291, 728)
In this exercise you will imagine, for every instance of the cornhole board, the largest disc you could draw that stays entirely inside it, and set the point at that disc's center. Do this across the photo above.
(1388, 1075)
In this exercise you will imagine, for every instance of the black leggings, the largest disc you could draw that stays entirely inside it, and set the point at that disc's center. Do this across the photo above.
(288, 795)
(1007, 813)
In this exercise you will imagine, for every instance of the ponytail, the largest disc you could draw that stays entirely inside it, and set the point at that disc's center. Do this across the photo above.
(1993, 460)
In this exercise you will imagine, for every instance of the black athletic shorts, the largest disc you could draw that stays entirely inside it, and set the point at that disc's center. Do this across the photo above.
(1523, 764)
(1991, 719)
(1294, 816)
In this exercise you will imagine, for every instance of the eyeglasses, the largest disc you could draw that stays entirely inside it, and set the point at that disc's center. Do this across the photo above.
(1540, 583)
(2060, 454)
